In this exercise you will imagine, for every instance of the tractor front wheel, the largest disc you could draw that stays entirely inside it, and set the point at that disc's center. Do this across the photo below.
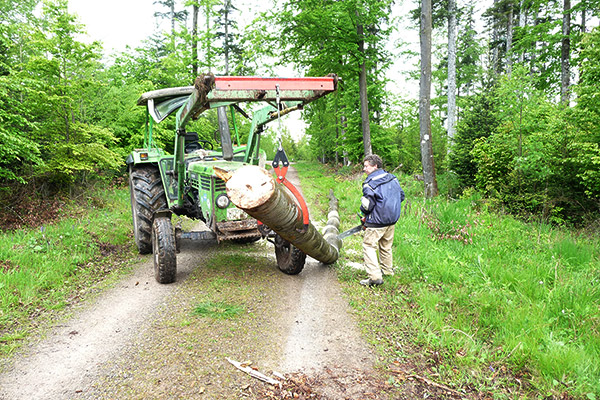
(147, 197)
(164, 248)
(290, 259)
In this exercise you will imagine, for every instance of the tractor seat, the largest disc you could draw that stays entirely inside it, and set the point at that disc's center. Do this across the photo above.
(191, 142)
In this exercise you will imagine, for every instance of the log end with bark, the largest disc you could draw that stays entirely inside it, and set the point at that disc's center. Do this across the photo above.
(254, 190)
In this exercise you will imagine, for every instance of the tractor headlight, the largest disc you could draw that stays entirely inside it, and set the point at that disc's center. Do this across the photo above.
(222, 201)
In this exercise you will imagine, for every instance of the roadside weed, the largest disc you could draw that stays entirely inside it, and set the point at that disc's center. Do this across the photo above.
(498, 300)
(49, 267)
(217, 310)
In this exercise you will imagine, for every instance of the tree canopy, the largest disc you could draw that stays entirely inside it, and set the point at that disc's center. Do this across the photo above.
(68, 111)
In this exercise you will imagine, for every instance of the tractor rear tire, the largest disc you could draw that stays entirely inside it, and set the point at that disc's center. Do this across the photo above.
(147, 197)
(290, 259)
(164, 248)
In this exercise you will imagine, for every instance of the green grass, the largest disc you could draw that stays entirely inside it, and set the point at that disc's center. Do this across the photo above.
(483, 300)
(47, 268)
(217, 310)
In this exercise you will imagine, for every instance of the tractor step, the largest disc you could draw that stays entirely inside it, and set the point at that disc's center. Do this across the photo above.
(199, 236)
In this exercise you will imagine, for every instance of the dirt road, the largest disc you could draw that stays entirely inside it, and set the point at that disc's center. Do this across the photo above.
(137, 340)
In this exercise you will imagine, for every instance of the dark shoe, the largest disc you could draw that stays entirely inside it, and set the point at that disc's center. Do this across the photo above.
(371, 282)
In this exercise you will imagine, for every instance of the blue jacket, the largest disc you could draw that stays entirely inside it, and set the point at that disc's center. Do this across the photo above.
(382, 197)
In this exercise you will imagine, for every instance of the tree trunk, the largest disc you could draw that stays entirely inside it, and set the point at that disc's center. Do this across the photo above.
(565, 53)
(509, 38)
(195, 40)
(254, 190)
(534, 47)
(207, 44)
(522, 24)
(451, 70)
(226, 39)
(429, 180)
(344, 151)
(173, 19)
(362, 88)
(495, 43)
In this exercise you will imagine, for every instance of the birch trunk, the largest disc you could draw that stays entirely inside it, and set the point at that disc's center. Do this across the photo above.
(254, 190)
(451, 70)
(565, 53)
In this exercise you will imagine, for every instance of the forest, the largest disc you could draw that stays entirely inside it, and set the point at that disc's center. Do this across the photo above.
(508, 103)
(488, 113)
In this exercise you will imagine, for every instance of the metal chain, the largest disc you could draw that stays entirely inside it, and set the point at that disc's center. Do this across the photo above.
(278, 116)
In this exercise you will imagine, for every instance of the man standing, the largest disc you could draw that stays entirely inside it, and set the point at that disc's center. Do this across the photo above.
(382, 197)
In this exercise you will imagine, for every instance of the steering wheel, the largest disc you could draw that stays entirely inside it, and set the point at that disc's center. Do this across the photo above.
(197, 145)
(206, 144)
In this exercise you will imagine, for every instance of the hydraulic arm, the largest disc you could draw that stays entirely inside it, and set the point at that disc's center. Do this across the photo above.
(216, 91)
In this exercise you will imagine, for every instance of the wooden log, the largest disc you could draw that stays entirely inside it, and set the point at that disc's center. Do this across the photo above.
(253, 373)
(254, 190)
(332, 229)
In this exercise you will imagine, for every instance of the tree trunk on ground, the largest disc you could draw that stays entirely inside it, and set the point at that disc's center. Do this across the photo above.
(332, 228)
(254, 190)
(565, 53)
(451, 70)
(429, 180)
(362, 87)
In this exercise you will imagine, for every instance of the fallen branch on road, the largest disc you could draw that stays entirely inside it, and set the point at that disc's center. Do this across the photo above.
(253, 373)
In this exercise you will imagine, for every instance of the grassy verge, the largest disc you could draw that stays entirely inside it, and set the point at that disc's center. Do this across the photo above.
(45, 269)
(481, 302)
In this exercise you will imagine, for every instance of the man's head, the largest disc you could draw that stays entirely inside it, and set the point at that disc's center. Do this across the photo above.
(371, 163)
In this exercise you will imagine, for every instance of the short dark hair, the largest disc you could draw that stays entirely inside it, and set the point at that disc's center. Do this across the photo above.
(374, 160)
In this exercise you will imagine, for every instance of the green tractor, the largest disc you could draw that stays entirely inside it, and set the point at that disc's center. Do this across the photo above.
(185, 183)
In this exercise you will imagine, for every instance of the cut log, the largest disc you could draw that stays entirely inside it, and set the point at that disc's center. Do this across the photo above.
(254, 190)
(332, 229)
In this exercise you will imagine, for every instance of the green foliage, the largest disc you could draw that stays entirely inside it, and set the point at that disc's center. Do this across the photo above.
(88, 151)
(528, 155)
(478, 121)
(402, 117)
(468, 51)
(18, 153)
(322, 38)
(45, 268)
(586, 116)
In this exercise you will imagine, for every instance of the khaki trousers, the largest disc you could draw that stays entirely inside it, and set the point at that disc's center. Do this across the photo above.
(380, 239)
